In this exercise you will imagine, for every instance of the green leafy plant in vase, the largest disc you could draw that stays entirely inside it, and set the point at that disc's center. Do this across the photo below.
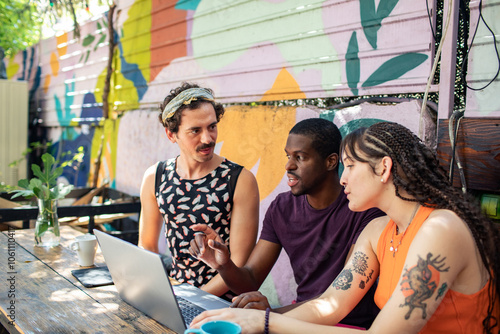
(45, 188)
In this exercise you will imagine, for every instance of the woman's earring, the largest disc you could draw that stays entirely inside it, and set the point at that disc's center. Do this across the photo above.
(381, 180)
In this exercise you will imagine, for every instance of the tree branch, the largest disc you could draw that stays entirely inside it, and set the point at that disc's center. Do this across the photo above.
(109, 71)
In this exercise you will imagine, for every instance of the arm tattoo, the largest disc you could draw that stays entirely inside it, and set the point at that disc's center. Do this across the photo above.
(343, 280)
(360, 263)
(362, 284)
(420, 282)
(441, 290)
(360, 266)
(369, 276)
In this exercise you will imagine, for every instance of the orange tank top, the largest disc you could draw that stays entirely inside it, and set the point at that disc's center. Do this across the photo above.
(457, 313)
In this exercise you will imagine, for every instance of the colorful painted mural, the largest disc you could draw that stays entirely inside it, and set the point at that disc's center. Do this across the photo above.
(246, 51)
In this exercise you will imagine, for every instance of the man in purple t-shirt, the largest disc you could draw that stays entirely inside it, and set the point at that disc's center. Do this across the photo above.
(312, 223)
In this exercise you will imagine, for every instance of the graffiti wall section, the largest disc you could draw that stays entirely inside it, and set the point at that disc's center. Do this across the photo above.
(245, 50)
(267, 50)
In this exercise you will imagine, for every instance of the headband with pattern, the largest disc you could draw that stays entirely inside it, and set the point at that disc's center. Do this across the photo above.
(185, 97)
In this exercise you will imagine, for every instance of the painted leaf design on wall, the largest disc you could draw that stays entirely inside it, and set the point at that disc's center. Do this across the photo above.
(352, 64)
(90, 39)
(394, 68)
(87, 56)
(369, 21)
(371, 17)
(101, 40)
(385, 8)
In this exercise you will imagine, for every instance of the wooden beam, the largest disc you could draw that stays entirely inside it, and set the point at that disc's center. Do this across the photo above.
(478, 148)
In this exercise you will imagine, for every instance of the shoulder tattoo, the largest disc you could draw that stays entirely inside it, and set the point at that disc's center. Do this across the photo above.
(421, 281)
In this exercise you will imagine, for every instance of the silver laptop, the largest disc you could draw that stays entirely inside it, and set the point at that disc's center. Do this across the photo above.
(142, 281)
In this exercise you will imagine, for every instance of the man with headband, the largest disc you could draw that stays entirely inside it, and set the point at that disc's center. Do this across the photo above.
(197, 186)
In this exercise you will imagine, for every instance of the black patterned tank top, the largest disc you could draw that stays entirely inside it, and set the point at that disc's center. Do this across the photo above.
(182, 203)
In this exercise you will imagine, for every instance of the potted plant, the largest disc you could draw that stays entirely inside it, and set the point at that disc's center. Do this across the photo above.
(45, 188)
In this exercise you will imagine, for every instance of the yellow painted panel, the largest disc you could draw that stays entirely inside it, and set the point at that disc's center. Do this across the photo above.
(46, 83)
(246, 133)
(62, 44)
(105, 139)
(12, 68)
(121, 91)
(54, 64)
(136, 39)
(284, 87)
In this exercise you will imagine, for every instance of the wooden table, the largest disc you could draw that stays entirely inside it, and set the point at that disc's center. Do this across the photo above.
(40, 295)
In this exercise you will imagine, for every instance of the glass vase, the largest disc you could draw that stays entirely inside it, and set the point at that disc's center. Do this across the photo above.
(47, 225)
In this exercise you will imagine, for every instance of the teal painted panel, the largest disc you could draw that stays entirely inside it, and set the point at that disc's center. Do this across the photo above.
(187, 4)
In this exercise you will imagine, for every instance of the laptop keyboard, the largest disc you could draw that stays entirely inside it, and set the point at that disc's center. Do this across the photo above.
(189, 310)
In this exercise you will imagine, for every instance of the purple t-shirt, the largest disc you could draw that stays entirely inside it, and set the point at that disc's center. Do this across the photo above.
(317, 241)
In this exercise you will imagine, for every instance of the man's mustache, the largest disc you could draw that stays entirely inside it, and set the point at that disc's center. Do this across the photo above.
(204, 146)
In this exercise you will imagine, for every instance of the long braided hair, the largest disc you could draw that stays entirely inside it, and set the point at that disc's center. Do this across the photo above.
(416, 170)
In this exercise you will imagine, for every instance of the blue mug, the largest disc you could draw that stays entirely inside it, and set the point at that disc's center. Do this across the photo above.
(216, 327)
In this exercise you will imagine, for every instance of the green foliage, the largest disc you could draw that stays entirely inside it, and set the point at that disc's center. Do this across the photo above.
(75, 160)
(20, 22)
(44, 186)
(5, 188)
(68, 159)
(33, 146)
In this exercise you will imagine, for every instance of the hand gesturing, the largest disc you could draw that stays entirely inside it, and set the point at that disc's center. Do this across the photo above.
(208, 246)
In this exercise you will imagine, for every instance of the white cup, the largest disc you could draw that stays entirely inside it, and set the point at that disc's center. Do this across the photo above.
(85, 246)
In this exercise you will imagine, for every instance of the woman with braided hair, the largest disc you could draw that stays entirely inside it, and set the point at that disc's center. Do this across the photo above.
(436, 256)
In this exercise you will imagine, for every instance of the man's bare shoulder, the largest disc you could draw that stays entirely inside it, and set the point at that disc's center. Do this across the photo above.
(245, 173)
(152, 169)
(148, 179)
(246, 179)
(246, 186)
